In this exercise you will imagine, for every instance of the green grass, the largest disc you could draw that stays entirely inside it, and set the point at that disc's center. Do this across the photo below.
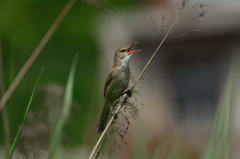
(56, 138)
(67, 102)
(24, 118)
(219, 142)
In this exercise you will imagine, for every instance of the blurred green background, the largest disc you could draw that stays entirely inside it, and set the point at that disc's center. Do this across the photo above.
(22, 25)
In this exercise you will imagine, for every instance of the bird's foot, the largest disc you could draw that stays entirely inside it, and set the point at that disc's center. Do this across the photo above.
(128, 92)
(115, 116)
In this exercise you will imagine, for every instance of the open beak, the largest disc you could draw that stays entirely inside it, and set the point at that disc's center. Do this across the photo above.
(131, 52)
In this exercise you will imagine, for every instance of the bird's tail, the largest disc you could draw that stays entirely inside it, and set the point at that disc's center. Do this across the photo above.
(102, 120)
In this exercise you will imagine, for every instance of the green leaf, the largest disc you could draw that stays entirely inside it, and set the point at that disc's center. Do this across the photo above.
(24, 118)
(67, 102)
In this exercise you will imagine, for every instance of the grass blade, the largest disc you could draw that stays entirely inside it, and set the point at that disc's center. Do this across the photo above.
(219, 143)
(65, 110)
(24, 117)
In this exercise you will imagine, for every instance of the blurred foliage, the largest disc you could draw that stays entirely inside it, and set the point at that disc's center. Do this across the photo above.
(22, 25)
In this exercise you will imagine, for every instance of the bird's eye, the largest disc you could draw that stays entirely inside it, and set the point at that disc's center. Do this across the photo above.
(123, 50)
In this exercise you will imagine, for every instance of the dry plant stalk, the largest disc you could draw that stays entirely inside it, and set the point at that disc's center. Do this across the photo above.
(35, 53)
(140, 75)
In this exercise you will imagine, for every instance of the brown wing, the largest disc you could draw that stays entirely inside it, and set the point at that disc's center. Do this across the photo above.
(108, 81)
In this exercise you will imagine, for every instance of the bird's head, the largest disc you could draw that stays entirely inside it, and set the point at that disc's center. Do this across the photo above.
(123, 54)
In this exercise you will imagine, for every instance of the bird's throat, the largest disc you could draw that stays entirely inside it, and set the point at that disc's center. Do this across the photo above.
(122, 62)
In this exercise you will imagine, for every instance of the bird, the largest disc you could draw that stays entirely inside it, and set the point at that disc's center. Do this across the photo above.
(116, 83)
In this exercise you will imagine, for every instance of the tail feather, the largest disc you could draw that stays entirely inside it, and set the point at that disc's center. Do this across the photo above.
(102, 120)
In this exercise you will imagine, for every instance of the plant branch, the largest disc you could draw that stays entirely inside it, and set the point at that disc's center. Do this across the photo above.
(35, 53)
(126, 97)
(140, 75)
(108, 125)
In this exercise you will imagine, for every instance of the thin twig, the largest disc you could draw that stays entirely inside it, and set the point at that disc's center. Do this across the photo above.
(154, 24)
(156, 50)
(36, 52)
(126, 97)
(163, 19)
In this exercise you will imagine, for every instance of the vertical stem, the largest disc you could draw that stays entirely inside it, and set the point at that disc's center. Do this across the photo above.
(4, 112)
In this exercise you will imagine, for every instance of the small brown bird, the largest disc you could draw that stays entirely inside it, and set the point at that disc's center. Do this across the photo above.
(116, 83)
